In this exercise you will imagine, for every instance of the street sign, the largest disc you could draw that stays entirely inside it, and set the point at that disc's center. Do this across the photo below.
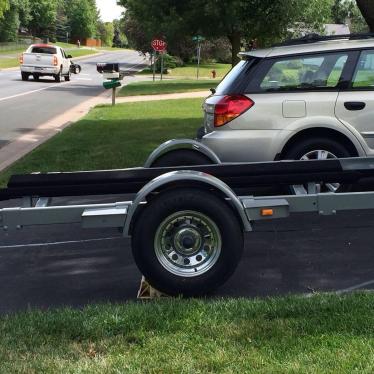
(198, 38)
(159, 45)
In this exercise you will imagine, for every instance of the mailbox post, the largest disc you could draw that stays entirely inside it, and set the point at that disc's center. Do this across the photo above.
(112, 77)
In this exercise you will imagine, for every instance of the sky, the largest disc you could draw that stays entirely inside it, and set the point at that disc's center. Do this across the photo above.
(109, 10)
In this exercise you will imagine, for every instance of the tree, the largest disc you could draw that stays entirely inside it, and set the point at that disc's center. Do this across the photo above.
(346, 11)
(43, 17)
(4, 6)
(16, 15)
(367, 10)
(82, 18)
(237, 20)
(106, 33)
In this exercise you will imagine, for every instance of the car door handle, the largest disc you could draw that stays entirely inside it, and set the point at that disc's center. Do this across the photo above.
(354, 105)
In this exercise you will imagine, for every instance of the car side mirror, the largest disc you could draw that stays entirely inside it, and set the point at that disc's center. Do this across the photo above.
(70, 56)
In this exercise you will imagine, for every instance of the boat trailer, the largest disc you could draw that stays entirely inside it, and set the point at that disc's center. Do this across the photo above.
(186, 223)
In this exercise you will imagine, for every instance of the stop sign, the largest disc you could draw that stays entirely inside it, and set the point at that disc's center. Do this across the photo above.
(159, 45)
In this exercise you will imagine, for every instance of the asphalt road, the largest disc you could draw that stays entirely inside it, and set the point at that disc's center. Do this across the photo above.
(59, 265)
(26, 105)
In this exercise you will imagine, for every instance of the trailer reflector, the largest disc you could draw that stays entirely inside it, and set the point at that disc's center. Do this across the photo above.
(267, 212)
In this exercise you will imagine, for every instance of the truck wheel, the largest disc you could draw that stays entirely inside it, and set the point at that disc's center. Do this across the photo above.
(36, 77)
(187, 242)
(318, 149)
(58, 77)
(25, 76)
(181, 157)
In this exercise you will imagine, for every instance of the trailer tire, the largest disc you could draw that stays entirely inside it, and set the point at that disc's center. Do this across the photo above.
(187, 242)
(181, 157)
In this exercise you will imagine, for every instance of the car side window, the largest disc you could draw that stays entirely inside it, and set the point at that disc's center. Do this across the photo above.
(364, 74)
(304, 72)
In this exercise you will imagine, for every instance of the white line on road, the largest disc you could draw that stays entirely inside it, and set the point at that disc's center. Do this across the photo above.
(18, 246)
(33, 91)
(83, 79)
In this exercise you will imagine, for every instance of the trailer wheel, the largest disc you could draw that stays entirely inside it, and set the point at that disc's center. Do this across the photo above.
(181, 157)
(187, 242)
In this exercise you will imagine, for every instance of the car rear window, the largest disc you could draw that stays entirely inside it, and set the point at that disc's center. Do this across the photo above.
(45, 50)
(237, 79)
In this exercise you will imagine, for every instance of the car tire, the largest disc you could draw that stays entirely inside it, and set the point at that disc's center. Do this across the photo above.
(58, 77)
(309, 148)
(36, 77)
(181, 157)
(218, 238)
(25, 76)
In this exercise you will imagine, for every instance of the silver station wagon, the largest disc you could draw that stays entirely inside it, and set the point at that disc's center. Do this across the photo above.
(310, 98)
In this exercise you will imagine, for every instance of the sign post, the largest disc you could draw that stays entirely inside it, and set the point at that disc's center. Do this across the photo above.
(198, 39)
(158, 45)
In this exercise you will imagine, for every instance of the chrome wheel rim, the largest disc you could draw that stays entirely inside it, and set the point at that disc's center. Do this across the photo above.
(313, 187)
(188, 243)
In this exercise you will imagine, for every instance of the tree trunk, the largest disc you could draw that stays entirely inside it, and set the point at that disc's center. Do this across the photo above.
(235, 40)
(367, 9)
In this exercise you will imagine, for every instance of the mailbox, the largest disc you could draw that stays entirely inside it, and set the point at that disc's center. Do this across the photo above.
(111, 84)
(107, 67)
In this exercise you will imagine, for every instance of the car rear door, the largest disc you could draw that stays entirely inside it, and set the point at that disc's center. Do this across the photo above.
(355, 104)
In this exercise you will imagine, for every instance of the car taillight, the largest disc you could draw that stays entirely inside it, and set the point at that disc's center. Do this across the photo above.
(55, 61)
(231, 107)
(21, 59)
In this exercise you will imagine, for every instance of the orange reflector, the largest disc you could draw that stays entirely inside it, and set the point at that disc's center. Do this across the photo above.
(267, 212)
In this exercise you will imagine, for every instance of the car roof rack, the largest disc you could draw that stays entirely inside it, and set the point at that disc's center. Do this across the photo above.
(314, 38)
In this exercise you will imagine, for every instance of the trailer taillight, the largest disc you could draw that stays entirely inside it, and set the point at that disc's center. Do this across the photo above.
(21, 59)
(230, 107)
(55, 61)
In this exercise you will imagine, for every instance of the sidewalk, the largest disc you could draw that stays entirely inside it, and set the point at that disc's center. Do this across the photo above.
(173, 96)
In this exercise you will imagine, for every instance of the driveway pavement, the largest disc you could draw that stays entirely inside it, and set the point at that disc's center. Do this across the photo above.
(61, 265)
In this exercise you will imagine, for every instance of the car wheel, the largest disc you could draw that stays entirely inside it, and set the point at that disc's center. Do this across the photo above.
(318, 149)
(181, 157)
(58, 77)
(25, 76)
(187, 242)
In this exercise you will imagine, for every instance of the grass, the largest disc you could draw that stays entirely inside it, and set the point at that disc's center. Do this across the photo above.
(6, 63)
(205, 70)
(321, 334)
(109, 137)
(167, 86)
(189, 71)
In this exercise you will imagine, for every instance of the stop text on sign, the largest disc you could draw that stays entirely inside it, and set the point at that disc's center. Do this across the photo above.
(159, 45)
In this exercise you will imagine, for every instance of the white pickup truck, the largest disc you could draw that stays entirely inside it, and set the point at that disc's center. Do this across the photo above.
(45, 60)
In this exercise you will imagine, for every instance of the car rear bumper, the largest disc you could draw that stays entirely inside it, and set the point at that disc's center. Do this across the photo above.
(246, 145)
(41, 70)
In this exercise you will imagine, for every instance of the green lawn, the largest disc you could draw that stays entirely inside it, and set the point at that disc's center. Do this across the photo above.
(6, 63)
(189, 71)
(205, 70)
(167, 86)
(321, 334)
(117, 137)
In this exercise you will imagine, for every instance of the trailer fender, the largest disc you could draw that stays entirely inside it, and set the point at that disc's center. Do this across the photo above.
(175, 144)
(186, 176)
